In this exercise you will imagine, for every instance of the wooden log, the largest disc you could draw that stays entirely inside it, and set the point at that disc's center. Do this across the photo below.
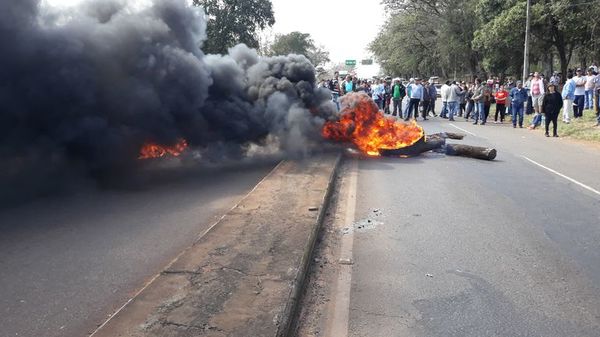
(447, 135)
(477, 152)
(422, 145)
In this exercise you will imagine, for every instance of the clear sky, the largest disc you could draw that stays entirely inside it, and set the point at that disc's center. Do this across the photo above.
(326, 21)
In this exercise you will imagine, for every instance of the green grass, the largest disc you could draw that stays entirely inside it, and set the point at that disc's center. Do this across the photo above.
(582, 128)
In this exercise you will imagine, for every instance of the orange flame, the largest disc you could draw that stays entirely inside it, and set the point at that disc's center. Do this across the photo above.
(152, 150)
(362, 124)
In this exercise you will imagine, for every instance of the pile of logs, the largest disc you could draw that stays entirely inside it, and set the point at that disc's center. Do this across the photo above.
(437, 143)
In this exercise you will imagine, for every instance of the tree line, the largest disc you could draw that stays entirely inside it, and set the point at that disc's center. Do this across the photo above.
(230, 22)
(463, 38)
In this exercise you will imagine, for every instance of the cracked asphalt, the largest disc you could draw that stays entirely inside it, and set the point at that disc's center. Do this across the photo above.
(68, 263)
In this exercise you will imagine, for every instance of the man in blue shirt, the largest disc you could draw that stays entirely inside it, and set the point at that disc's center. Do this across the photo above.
(416, 95)
(568, 95)
(518, 97)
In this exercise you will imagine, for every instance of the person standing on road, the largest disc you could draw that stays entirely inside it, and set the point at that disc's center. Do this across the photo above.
(551, 106)
(347, 86)
(432, 99)
(444, 91)
(387, 96)
(579, 93)
(416, 95)
(479, 113)
(518, 97)
(470, 102)
(589, 89)
(501, 95)
(378, 93)
(537, 91)
(398, 93)
(462, 106)
(597, 92)
(487, 101)
(426, 99)
(568, 95)
(453, 100)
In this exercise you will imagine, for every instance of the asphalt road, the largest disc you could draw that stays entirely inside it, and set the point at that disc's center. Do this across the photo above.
(68, 263)
(462, 247)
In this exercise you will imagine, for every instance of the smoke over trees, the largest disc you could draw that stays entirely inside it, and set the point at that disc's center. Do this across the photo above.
(82, 90)
(230, 22)
(301, 44)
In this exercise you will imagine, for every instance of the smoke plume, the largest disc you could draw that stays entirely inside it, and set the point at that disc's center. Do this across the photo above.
(82, 89)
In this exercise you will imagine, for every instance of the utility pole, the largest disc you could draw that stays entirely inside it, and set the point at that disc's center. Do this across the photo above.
(526, 53)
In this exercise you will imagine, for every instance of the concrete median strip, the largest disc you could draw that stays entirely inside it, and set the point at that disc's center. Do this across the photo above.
(243, 277)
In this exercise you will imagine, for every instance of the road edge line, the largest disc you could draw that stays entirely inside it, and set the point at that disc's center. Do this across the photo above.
(461, 129)
(168, 265)
(580, 184)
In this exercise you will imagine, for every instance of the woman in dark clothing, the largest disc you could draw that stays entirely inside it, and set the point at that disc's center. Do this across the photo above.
(551, 107)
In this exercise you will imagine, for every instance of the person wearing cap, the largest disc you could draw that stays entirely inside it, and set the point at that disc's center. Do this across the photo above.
(551, 106)
(568, 95)
(518, 97)
(579, 93)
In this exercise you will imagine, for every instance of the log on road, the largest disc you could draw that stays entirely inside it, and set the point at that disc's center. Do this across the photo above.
(437, 143)
(477, 152)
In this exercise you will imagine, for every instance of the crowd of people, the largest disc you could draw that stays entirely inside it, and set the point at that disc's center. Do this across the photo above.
(542, 97)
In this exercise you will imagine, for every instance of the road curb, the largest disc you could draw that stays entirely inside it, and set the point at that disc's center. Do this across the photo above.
(296, 295)
(245, 275)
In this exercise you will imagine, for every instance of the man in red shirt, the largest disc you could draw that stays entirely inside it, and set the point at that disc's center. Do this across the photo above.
(500, 97)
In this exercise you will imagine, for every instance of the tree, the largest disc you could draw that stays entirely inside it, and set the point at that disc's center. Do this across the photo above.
(500, 44)
(230, 22)
(486, 36)
(301, 44)
(318, 55)
(428, 37)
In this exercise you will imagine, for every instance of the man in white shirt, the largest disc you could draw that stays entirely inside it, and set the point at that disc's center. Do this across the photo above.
(579, 93)
(453, 97)
(444, 91)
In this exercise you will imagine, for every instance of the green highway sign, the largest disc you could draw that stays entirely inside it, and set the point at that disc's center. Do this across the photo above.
(366, 62)
(350, 62)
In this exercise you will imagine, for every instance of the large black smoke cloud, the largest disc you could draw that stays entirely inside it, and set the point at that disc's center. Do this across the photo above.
(82, 89)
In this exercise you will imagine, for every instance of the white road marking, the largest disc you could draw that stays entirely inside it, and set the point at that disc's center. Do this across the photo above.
(341, 303)
(461, 129)
(180, 254)
(563, 176)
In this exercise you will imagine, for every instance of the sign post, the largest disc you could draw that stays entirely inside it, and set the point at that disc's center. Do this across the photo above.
(350, 62)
